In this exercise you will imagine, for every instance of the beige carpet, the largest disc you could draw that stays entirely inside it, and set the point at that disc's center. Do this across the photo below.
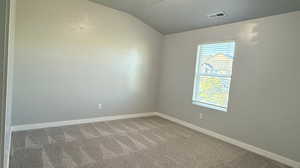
(134, 143)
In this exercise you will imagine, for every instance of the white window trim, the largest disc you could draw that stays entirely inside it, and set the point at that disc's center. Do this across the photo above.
(198, 75)
(215, 107)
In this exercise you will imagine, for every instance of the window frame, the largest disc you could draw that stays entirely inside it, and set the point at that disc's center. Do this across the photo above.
(197, 76)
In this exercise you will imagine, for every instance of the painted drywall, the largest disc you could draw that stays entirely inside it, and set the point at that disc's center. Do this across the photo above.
(9, 89)
(2, 80)
(5, 119)
(72, 55)
(173, 16)
(264, 97)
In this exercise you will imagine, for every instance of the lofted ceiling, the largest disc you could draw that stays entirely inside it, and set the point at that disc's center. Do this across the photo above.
(172, 16)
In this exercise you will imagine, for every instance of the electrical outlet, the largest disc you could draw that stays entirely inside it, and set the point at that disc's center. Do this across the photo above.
(201, 116)
(99, 106)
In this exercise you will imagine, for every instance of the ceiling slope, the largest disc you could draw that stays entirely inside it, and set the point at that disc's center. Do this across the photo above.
(172, 16)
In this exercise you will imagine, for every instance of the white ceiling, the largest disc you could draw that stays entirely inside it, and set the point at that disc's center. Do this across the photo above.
(172, 16)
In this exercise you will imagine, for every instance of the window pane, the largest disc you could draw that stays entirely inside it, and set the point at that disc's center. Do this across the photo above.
(216, 58)
(214, 90)
(213, 75)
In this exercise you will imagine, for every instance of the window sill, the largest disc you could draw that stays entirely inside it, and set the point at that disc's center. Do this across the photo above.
(210, 106)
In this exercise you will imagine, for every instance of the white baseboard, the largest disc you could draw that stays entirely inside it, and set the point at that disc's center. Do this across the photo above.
(235, 142)
(80, 121)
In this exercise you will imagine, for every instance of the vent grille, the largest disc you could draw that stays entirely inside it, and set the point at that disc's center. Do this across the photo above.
(217, 15)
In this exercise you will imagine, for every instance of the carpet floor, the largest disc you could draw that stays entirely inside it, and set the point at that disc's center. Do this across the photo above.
(150, 142)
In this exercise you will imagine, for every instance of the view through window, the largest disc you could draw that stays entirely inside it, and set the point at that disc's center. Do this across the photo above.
(213, 75)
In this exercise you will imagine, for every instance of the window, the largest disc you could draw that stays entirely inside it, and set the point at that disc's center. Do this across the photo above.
(213, 75)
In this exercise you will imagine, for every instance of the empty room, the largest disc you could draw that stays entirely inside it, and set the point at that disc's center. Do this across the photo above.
(150, 84)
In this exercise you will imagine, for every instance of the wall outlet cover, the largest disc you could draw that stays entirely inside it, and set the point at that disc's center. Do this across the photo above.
(201, 115)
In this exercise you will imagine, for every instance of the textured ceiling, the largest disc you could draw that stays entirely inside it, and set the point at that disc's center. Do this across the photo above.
(172, 16)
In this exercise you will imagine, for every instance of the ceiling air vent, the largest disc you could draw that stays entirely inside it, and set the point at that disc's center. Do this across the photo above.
(216, 15)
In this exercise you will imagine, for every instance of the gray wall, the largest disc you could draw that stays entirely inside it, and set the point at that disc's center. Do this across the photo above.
(4, 124)
(264, 97)
(9, 88)
(2, 80)
(72, 55)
